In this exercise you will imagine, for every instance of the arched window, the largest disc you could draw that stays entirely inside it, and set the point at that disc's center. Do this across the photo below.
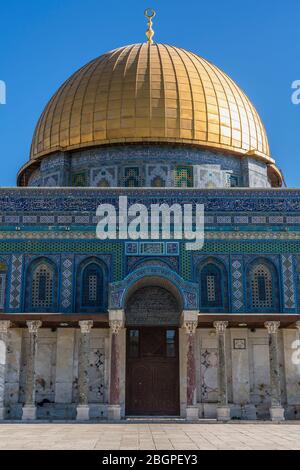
(41, 293)
(42, 287)
(261, 287)
(91, 292)
(184, 177)
(92, 286)
(132, 177)
(211, 287)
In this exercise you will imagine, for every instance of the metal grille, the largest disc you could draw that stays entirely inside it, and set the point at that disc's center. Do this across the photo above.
(79, 179)
(42, 287)
(184, 177)
(211, 288)
(261, 283)
(132, 178)
(92, 280)
(92, 287)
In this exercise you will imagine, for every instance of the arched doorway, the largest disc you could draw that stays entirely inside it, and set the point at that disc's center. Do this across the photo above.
(152, 352)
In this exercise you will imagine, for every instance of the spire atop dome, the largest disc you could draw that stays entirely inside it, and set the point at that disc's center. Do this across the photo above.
(150, 14)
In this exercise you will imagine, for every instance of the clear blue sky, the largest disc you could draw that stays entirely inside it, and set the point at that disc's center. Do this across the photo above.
(43, 42)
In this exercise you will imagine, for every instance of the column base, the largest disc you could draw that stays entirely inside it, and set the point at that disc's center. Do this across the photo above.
(277, 413)
(249, 412)
(83, 413)
(114, 412)
(192, 413)
(2, 413)
(29, 413)
(223, 413)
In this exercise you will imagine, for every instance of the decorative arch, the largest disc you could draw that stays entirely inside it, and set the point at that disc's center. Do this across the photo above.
(103, 177)
(153, 305)
(41, 286)
(91, 286)
(262, 286)
(185, 292)
(213, 286)
(158, 175)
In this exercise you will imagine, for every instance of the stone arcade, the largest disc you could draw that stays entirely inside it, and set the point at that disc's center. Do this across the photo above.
(106, 329)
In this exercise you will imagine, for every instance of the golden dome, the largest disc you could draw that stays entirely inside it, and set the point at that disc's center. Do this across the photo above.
(150, 93)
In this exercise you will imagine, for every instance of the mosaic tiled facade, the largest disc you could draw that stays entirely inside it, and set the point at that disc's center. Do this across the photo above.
(157, 166)
(66, 232)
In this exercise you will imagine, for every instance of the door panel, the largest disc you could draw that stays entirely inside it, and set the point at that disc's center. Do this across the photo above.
(140, 384)
(152, 376)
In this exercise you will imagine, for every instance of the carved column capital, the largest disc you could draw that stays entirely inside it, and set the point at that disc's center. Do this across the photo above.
(116, 326)
(33, 326)
(86, 326)
(190, 327)
(116, 320)
(189, 321)
(4, 326)
(272, 327)
(220, 327)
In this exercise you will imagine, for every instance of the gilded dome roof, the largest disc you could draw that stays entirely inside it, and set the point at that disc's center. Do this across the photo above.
(150, 93)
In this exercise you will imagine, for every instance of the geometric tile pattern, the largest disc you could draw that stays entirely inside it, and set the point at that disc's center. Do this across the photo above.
(241, 220)
(16, 281)
(224, 219)
(288, 282)
(47, 219)
(259, 220)
(209, 374)
(67, 281)
(276, 220)
(237, 284)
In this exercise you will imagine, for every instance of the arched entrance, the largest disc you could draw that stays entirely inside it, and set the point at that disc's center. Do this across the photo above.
(152, 356)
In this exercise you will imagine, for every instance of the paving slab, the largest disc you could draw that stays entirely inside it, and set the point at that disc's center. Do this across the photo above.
(149, 436)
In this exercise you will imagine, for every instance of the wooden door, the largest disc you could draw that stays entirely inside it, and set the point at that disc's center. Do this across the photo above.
(152, 375)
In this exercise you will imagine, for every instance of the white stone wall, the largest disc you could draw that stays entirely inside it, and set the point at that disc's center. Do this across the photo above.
(248, 372)
(57, 372)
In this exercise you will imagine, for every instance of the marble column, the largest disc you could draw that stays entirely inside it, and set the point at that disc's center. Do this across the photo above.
(190, 323)
(83, 409)
(29, 408)
(116, 323)
(223, 409)
(4, 327)
(298, 328)
(276, 409)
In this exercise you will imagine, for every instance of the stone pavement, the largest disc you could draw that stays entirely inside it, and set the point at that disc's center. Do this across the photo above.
(149, 436)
